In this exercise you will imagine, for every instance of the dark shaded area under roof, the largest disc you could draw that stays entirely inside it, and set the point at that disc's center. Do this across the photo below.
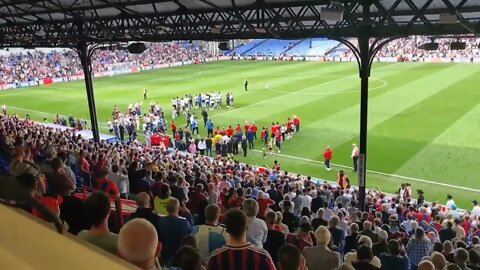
(52, 23)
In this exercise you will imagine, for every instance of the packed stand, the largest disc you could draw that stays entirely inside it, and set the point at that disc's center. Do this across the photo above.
(198, 212)
(407, 49)
(34, 66)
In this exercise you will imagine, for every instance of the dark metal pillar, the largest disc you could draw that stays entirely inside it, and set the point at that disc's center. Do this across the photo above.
(363, 44)
(364, 58)
(364, 54)
(85, 58)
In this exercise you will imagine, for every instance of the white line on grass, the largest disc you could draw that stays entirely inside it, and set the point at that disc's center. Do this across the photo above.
(379, 173)
(50, 114)
(384, 84)
(291, 93)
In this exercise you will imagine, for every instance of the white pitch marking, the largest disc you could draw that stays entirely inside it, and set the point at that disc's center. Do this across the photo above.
(381, 173)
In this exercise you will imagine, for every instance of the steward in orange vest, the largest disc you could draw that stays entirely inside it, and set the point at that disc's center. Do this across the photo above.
(342, 180)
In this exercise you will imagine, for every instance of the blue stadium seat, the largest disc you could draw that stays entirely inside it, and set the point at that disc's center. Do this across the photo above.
(273, 47)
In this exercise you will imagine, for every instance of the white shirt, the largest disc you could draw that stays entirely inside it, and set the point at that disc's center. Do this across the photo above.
(306, 201)
(450, 203)
(476, 211)
(291, 195)
(355, 152)
(121, 181)
(202, 145)
(327, 214)
(257, 231)
(407, 224)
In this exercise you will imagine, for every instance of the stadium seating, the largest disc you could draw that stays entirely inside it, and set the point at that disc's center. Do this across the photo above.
(244, 48)
(312, 47)
(272, 47)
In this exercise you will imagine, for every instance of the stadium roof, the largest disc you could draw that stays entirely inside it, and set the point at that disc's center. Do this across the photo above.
(51, 23)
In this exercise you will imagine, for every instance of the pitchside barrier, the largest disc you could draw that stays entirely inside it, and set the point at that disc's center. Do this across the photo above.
(113, 72)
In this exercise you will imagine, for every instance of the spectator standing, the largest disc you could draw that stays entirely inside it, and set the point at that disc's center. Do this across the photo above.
(320, 256)
(97, 209)
(393, 260)
(106, 185)
(447, 233)
(352, 257)
(367, 231)
(289, 258)
(351, 240)
(417, 248)
(263, 204)
(365, 256)
(476, 209)
(160, 202)
(145, 210)
(319, 221)
(291, 220)
(121, 180)
(257, 230)
(275, 239)
(210, 236)
(250, 256)
(381, 246)
(338, 235)
(138, 244)
(172, 228)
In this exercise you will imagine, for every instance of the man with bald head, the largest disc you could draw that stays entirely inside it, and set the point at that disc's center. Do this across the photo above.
(172, 229)
(138, 244)
(145, 210)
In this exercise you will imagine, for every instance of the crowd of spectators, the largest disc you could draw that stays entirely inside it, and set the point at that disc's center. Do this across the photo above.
(36, 65)
(408, 49)
(198, 212)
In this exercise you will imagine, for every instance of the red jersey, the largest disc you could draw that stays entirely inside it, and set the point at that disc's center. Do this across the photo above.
(247, 127)
(166, 141)
(278, 137)
(84, 165)
(230, 132)
(238, 129)
(273, 129)
(217, 131)
(173, 127)
(254, 128)
(223, 133)
(240, 257)
(289, 124)
(296, 121)
(107, 186)
(262, 135)
(328, 155)
(157, 139)
(263, 205)
(177, 136)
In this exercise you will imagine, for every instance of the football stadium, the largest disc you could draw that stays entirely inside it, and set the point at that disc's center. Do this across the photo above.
(303, 145)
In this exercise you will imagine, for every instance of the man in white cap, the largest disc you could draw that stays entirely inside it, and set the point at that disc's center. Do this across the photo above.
(355, 153)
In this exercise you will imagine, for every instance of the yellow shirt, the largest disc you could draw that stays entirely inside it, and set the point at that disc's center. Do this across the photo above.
(161, 205)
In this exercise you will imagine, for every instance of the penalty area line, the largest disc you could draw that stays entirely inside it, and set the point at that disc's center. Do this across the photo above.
(379, 173)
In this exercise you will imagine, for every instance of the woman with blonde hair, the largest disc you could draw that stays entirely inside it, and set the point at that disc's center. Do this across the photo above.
(279, 226)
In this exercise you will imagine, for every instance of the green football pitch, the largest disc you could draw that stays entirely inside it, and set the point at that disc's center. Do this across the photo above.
(423, 118)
